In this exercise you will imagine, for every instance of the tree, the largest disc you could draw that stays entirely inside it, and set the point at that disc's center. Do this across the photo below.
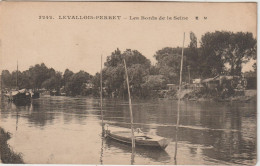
(114, 59)
(155, 82)
(193, 40)
(6, 78)
(226, 48)
(76, 82)
(240, 49)
(193, 59)
(39, 73)
(114, 72)
(168, 63)
(54, 82)
(66, 76)
(96, 83)
(24, 80)
(211, 44)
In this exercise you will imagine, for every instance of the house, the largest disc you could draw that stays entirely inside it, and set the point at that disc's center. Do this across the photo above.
(215, 82)
(196, 84)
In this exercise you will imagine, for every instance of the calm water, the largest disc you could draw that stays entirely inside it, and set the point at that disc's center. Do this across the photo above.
(68, 130)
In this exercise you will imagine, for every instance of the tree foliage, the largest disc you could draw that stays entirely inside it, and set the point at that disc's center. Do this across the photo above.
(168, 63)
(114, 79)
(227, 48)
(40, 76)
(76, 83)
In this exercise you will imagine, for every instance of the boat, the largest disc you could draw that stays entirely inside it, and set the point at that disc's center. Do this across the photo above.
(156, 154)
(141, 139)
(19, 97)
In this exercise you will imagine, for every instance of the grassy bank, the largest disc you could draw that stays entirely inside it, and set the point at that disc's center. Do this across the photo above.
(202, 95)
(6, 152)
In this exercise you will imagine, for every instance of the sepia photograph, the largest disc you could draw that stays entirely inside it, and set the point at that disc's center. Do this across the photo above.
(128, 83)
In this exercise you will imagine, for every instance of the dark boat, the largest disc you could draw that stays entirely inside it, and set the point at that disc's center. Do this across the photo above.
(141, 139)
(19, 97)
(35, 95)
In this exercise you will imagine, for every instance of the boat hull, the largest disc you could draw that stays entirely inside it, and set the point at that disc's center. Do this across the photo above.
(145, 140)
(19, 98)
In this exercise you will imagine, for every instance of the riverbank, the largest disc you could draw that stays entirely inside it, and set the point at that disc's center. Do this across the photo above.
(8, 156)
(195, 95)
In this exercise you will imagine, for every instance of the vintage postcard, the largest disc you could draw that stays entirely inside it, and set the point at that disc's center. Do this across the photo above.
(121, 83)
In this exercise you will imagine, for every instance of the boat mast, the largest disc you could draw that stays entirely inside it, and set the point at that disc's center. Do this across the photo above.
(130, 107)
(101, 97)
(179, 100)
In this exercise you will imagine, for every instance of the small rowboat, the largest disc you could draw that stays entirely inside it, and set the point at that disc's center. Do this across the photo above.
(141, 139)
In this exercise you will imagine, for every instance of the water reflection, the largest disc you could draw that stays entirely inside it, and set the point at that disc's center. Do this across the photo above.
(133, 156)
(17, 118)
(102, 150)
(209, 132)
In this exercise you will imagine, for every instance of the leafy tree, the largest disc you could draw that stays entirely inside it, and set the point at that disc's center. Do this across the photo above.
(96, 82)
(75, 85)
(66, 76)
(114, 72)
(193, 59)
(24, 80)
(114, 59)
(211, 44)
(54, 82)
(6, 78)
(240, 49)
(220, 48)
(154, 82)
(39, 74)
(193, 40)
(168, 63)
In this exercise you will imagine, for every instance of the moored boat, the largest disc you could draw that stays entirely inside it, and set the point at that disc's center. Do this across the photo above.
(141, 139)
(19, 97)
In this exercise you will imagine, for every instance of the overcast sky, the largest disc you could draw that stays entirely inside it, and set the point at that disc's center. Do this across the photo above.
(78, 44)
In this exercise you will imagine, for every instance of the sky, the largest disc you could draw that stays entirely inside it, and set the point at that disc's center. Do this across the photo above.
(77, 44)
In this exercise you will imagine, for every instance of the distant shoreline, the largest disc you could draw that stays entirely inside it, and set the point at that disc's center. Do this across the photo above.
(249, 97)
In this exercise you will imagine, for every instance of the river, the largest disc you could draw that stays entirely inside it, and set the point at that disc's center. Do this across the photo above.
(67, 130)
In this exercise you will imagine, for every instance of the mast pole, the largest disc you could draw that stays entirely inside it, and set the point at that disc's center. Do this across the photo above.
(130, 107)
(179, 100)
(101, 96)
(189, 73)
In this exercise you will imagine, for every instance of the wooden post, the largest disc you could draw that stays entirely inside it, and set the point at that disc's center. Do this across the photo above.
(179, 100)
(130, 107)
(17, 77)
(101, 97)
(189, 73)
